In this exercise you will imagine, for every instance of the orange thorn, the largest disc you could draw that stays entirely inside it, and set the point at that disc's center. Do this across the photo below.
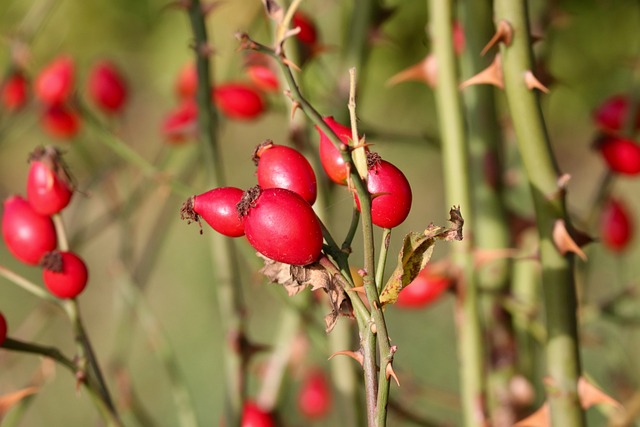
(564, 242)
(563, 181)
(389, 372)
(294, 107)
(504, 34)
(540, 418)
(425, 71)
(533, 83)
(485, 256)
(358, 289)
(287, 62)
(491, 75)
(352, 354)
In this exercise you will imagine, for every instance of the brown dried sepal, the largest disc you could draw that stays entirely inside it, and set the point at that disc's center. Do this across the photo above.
(373, 160)
(52, 261)
(187, 212)
(260, 149)
(51, 157)
(248, 200)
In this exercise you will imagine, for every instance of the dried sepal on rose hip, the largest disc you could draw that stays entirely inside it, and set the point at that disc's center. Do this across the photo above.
(218, 208)
(64, 274)
(49, 184)
(281, 225)
(27, 234)
(279, 166)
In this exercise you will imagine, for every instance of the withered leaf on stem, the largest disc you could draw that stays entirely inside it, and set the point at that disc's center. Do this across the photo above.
(295, 278)
(415, 253)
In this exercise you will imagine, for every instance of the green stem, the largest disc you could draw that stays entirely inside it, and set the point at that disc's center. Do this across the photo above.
(382, 258)
(27, 285)
(456, 179)
(562, 348)
(353, 227)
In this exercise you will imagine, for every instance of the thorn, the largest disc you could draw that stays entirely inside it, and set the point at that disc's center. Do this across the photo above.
(294, 107)
(425, 71)
(564, 242)
(205, 50)
(358, 289)
(288, 63)
(491, 75)
(485, 256)
(389, 372)
(563, 181)
(357, 356)
(591, 395)
(533, 83)
(504, 34)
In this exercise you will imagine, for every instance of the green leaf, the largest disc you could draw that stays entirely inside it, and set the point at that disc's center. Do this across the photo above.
(416, 252)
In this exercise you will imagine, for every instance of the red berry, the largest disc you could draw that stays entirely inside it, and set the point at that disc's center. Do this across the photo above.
(308, 33)
(49, 187)
(107, 87)
(27, 234)
(187, 81)
(263, 77)
(616, 225)
(3, 328)
(55, 82)
(181, 122)
(65, 274)
(281, 225)
(390, 193)
(218, 208)
(238, 101)
(60, 121)
(284, 167)
(330, 156)
(14, 91)
(314, 400)
(611, 115)
(459, 40)
(622, 155)
(254, 416)
(423, 290)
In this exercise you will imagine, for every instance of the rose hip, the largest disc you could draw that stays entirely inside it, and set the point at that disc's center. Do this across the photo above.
(107, 87)
(49, 186)
(238, 101)
(65, 274)
(218, 208)
(55, 82)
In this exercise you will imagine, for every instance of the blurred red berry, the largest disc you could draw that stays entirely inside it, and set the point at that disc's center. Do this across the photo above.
(254, 416)
(314, 398)
(65, 274)
(60, 121)
(263, 77)
(49, 187)
(426, 288)
(238, 101)
(14, 91)
(3, 328)
(308, 33)
(459, 41)
(622, 155)
(107, 87)
(611, 115)
(187, 81)
(55, 82)
(27, 234)
(616, 225)
(181, 123)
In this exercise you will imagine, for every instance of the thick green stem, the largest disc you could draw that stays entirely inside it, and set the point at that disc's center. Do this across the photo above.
(562, 352)
(456, 180)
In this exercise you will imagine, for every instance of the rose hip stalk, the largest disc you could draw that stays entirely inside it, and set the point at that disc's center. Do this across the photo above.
(107, 87)
(49, 186)
(27, 234)
(281, 225)
(65, 274)
(284, 167)
(218, 208)
(55, 82)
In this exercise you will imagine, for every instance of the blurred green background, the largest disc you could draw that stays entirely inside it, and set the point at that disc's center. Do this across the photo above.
(589, 47)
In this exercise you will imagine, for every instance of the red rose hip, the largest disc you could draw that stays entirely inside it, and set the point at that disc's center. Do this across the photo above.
(616, 226)
(59, 121)
(330, 156)
(254, 416)
(65, 274)
(314, 398)
(238, 101)
(107, 87)
(621, 155)
(218, 208)
(13, 92)
(49, 186)
(55, 82)
(426, 288)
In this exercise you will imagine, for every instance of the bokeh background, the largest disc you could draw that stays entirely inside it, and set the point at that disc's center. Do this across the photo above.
(589, 48)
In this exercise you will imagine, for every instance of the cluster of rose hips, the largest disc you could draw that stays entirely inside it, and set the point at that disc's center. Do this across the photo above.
(622, 156)
(53, 88)
(28, 229)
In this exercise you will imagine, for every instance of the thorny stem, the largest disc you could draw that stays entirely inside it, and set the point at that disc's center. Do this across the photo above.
(455, 159)
(560, 302)
(382, 258)
(227, 268)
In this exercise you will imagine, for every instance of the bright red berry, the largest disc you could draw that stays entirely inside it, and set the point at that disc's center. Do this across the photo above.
(65, 274)
(622, 155)
(13, 92)
(181, 123)
(616, 225)
(49, 186)
(27, 234)
(238, 101)
(60, 121)
(187, 81)
(55, 82)
(3, 328)
(330, 156)
(218, 208)
(308, 33)
(611, 115)
(314, 398)
(426, 288)
(281, 225)
(263, 77)
(285, 167)
(390, 193)
(107, 87)
(254, 416)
